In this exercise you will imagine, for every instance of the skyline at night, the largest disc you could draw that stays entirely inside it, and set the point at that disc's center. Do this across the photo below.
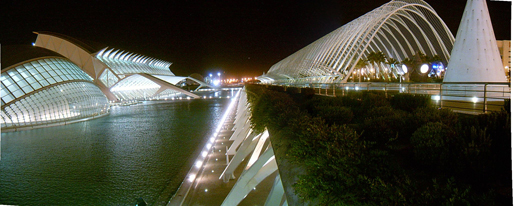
(238, 38)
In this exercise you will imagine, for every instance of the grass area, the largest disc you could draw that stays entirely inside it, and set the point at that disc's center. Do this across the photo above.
(369, 149)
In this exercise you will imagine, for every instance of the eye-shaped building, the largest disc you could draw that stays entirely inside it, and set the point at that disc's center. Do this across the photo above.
(60, 79)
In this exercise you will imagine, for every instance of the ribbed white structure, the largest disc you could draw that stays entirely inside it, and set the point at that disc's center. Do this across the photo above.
(475, 55)
(119, 74)
(398, 29)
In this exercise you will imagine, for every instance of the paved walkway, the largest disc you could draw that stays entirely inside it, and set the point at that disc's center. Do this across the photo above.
(206, 188)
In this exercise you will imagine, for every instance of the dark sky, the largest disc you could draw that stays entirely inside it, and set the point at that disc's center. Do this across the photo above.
(238, 37)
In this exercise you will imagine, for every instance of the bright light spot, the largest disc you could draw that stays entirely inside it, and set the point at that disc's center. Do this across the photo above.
(216, 82)
(357, 88)
(437, 98)
(404, 68)
(33, 44)
(424, 68)
(198, 164)
(212, 171)
(206, 190)
(191, 178)
(209, 145)
(216, 159)
(188, 98)
(204, 154)
(180, 98)
(474, 99)
(254, 188)
(204, 97)
(347, 88)
(212, 139)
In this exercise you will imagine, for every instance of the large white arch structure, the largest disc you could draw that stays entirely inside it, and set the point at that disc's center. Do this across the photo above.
(399, 29)
(119, 74)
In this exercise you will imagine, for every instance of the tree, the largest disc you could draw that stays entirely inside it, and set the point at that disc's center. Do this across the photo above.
(362, 63)
(375, 59)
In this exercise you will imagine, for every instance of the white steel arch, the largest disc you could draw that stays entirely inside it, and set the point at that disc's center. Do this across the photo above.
(399, 29)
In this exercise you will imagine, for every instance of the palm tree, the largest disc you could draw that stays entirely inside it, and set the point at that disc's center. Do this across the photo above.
(362, 63)
(375, 58)
(391, 62)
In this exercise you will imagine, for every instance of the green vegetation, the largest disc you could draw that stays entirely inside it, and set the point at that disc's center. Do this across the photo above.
(371, 149)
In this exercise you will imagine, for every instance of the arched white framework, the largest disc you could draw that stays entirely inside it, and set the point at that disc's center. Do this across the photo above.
(398, 29)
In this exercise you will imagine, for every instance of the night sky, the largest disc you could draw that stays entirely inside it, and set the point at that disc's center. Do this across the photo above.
(236, 37)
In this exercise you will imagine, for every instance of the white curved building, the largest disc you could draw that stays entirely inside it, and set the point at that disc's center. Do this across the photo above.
(399, 29)
(41, 87)
(120, 75)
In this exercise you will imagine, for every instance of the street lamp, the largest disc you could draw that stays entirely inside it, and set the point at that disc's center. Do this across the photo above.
(424, 68)
(219, 77)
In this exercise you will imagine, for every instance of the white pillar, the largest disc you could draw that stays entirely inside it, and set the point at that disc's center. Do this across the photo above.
(250, 178)
(276, 194)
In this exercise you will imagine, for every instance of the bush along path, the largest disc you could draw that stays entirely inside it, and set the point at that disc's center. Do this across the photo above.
(369, 149)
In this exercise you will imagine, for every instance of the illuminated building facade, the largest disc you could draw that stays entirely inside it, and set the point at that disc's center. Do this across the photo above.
(60, 79)
(504, 48)
(119, 74)
(45, 88)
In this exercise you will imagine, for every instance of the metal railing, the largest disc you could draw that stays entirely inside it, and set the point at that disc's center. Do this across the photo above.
(463, 97)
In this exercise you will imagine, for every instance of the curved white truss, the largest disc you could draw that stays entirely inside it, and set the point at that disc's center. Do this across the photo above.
(398, 29)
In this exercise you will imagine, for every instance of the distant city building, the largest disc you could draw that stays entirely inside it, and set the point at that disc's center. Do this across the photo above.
(504, 47)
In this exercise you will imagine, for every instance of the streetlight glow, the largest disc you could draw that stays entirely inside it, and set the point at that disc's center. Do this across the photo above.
(424, 68)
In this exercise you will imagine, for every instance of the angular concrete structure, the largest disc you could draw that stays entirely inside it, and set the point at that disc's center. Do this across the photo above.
(475, 56)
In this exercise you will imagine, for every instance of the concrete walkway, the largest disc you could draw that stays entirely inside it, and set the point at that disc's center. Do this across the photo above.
(202, 185)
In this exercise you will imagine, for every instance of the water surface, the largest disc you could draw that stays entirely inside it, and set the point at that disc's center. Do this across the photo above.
(136, 151)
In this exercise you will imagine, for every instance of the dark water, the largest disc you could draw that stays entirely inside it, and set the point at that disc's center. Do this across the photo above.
(136, 151)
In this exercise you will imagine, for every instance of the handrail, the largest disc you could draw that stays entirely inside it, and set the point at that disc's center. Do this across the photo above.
(463, 97)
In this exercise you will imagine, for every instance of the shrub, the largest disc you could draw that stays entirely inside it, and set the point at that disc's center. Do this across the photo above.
(409, 102)
(434, 145)
(335, 114)
(383, 124)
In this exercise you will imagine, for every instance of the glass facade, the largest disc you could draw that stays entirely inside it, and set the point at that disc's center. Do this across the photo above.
(48, 90)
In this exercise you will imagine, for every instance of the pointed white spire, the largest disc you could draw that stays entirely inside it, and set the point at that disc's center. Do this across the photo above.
(475, 56)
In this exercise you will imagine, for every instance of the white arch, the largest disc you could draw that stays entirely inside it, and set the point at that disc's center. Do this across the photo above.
(415, 22)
